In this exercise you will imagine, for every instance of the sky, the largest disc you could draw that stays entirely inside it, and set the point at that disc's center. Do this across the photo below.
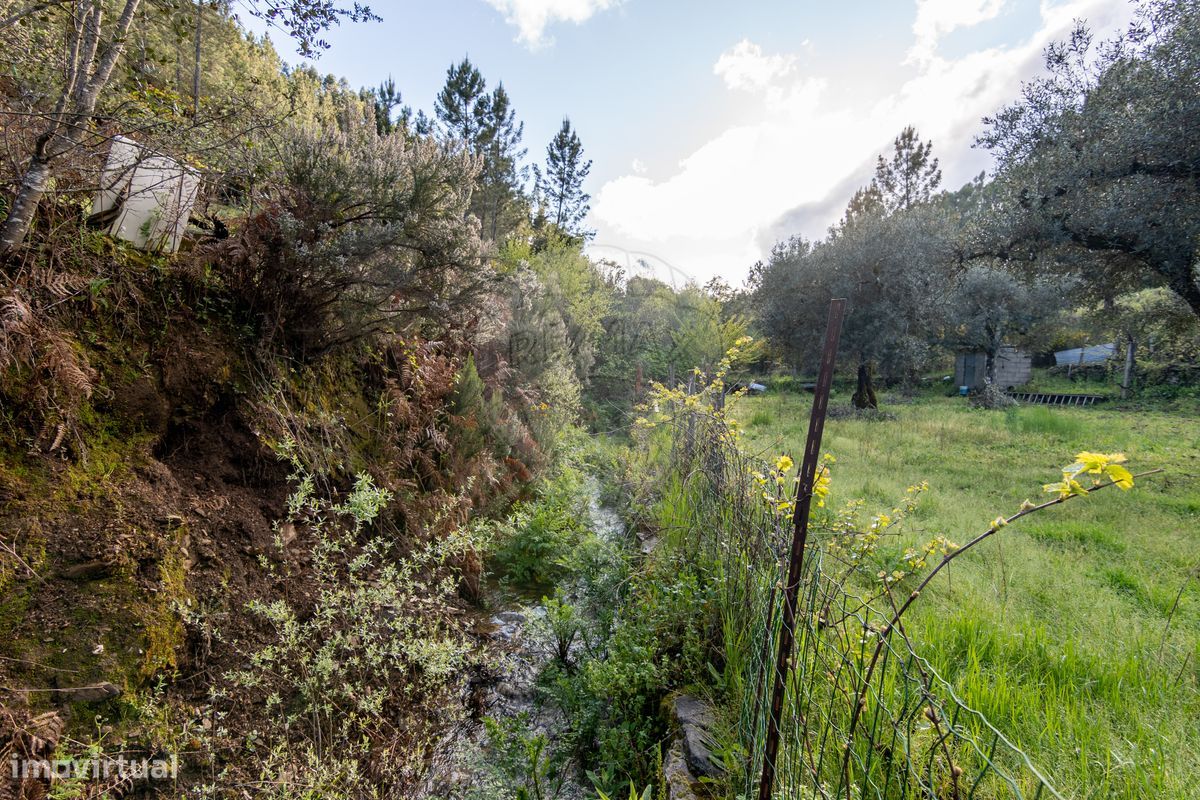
(717, 128)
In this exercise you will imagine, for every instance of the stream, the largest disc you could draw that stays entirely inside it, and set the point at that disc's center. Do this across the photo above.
(508, 689)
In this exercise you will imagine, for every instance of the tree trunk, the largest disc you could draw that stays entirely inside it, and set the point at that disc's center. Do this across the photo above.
(20, 215)
(1130, 346)
(864, 395)
(1189, 290)
(72, 115)
(196, 64)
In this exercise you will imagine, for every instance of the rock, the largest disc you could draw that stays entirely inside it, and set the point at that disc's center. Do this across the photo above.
(94, 693)
(676, 775)
(287, 533)
(508, 624)
(695, 721)
(171, 521)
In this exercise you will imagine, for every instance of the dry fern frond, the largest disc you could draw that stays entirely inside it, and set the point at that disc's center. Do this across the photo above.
(53, 378)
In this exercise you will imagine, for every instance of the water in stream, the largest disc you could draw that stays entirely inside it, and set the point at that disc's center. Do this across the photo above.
(517, 655)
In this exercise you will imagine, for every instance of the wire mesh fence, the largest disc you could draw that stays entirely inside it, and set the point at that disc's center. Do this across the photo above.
(864, 714)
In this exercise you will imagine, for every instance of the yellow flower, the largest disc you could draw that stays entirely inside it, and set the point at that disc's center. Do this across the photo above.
(784, 463)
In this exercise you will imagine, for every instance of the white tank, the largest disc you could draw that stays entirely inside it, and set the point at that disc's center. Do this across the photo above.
(155, 194)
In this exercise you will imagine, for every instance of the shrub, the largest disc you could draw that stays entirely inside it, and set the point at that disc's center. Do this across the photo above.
(538, 536)
(366, 233)
(366, 649)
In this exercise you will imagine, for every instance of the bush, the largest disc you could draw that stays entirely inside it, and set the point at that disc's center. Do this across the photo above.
(344, 670)
(538, 536)
(366, 233)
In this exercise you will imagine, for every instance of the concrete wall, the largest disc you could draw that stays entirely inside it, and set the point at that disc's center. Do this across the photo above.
(1014, 367)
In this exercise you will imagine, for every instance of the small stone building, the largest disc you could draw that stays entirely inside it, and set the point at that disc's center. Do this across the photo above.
(1014, 367)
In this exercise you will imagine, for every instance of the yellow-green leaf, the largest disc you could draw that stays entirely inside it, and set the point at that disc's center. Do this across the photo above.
(1122, 477)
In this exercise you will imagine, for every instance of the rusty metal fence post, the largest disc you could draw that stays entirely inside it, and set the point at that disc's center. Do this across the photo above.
(804, 492)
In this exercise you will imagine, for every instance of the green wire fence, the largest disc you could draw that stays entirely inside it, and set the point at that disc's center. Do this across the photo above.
(865, 716)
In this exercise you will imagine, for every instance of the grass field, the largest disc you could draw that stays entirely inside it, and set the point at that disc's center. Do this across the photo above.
(1055, 627)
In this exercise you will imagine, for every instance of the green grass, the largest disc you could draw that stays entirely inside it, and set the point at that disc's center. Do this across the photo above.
(1044, 421)
(1055, 627)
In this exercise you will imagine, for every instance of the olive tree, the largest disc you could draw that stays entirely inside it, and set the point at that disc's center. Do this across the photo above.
(990, 307)
(892, 269)
(1099, 158)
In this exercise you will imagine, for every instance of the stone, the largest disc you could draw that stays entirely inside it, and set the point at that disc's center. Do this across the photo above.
(695, 721)
(676, 775)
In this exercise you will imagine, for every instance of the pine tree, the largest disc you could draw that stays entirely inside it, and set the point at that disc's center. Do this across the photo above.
(560, 187)
(866, 203)
(385, 100)
(422, 124)
(487, 125)
(911, 176)
(501, 178)
(462, 103)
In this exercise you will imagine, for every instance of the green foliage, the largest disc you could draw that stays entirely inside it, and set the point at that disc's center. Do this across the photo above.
(1044, 421)
(462, 105)
(535, 542)
(339, 258)
(990, 307)
(656, 640)
(892, 268)
(562, 201)
(1094, 175)
(655, 331)
(910, 176)
(486, 126)
(1097, 687)
(645, 794)
(334, 676)
(523, 765)
(563, 624)
(480, 416)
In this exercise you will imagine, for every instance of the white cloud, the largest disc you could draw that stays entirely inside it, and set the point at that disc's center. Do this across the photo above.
(532, 17)
(777, 171)
(936, 18)
(744, 66)
(638, 166)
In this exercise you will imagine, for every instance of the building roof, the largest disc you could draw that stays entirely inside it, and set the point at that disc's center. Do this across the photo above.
(1093, 354)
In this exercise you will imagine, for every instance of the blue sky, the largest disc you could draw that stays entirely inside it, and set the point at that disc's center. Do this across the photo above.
(717, 128)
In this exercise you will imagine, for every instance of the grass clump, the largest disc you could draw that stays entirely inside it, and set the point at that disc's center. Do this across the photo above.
(1043, 421)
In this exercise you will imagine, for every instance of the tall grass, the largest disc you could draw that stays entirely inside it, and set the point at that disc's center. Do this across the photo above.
(1042, 420)
(865, 713)
(1055, 631)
